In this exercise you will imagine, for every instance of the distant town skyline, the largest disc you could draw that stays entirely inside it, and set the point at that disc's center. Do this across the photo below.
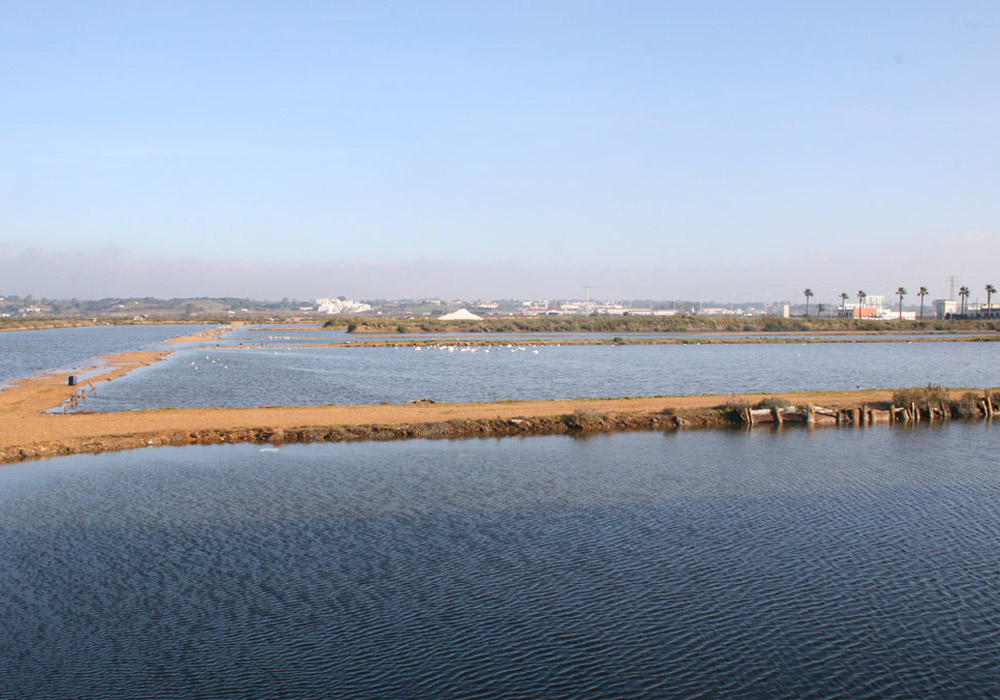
(648, 149)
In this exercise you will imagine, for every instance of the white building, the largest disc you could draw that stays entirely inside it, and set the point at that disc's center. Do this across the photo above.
(943, 307)
(341, 306)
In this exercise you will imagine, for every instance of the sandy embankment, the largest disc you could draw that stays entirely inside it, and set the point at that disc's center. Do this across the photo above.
(207, 334)
(28, 430)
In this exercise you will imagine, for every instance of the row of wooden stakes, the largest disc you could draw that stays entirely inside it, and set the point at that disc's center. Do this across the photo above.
(864, 415)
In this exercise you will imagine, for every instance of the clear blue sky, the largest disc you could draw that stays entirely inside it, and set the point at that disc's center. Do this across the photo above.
(649, 148)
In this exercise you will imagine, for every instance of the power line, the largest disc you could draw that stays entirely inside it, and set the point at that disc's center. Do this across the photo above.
(950, 280)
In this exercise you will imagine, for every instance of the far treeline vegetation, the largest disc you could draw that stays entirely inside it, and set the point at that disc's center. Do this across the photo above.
(420, 317)
(648, 324)
(13, 305)
(28, 312)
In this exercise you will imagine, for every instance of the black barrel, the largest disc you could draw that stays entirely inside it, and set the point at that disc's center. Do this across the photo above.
(72, 380)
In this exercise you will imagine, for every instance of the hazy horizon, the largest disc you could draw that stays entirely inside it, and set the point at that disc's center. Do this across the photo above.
(115, 273)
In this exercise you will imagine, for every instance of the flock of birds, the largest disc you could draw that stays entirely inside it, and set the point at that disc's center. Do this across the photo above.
(476, 348)
(194, 363)
(443, 348)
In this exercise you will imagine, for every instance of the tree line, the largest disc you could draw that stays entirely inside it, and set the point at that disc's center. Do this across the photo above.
(901, 292)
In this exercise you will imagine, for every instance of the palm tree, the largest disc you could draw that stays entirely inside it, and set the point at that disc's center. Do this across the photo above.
(819, 309)
(901, 292)
(990, 291)
(808, 294)
(964, 293)
(843, 302)
(922, 293)
(861, 303)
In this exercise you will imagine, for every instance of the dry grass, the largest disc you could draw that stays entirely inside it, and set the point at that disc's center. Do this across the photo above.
(930, 394)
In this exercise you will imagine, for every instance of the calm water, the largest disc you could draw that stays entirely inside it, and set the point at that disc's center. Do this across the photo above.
(24, 353)
(301, 376)
(825, 564)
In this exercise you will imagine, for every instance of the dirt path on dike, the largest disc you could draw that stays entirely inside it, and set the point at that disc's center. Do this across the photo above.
(29, 429)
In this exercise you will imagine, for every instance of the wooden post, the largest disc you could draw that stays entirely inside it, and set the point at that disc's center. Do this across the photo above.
(856, 416)
(989, 405)
(810, 415)
(776, 412)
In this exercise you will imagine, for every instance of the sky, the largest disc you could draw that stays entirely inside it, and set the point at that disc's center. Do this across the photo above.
(647, 148)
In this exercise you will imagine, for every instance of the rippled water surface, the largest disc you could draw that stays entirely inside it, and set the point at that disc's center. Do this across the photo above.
(245, 377)
(824, 564)
(23, 353)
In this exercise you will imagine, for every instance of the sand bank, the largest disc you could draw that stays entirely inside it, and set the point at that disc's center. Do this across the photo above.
(209, 334)
(30, 429)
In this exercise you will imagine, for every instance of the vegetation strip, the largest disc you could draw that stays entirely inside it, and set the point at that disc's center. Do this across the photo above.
(375, 325)
(652, 324)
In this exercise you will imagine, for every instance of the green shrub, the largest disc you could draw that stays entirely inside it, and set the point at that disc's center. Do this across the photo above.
(736, 404)
(773, 402)
(930, 394)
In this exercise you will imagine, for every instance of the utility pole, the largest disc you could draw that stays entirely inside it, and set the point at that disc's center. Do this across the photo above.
(586, 293)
